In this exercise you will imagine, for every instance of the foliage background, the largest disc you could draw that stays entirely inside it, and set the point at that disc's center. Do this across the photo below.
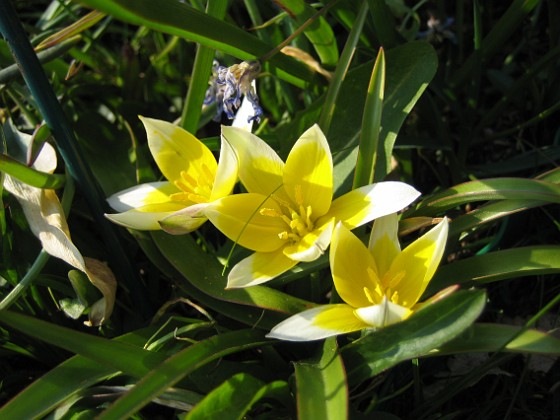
(479, 136)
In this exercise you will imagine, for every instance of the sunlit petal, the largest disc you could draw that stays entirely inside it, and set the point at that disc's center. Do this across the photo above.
(243, 116)
(418, 262)
(260, 168)
(140, 195)
(183, 221)
(146, 217)
(259, 268)
(364, 204)
(239, 218)
(384, 242)
(317, 323)
(308, 174)
(386, 313)
(312, 245)
(226, 175)
(353, 269)
(175, 150)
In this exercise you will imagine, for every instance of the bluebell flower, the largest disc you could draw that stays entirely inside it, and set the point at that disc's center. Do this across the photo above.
(228, 84)
(438, 31)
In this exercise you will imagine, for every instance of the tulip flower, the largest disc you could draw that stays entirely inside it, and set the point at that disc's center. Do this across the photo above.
(288, 214)
(379, 284)
(194, 178)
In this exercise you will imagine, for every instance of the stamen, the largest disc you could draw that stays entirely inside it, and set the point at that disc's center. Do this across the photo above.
(298, 195)
(189, 179)
(368, 295)
(207, 176)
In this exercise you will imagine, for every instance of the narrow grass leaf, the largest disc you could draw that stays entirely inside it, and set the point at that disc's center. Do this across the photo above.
(201, 71)
(319, 33)
(180, 365)
(482, 337)
(487, 189)
(121, 356)
(371, 123)
(322, 390)
(499, 265)
(63, 381)
(177, 18)
(426, 330)
(29, 175)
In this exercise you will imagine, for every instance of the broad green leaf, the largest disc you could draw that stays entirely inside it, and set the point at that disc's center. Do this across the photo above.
(487, 189)
(29, 175)
(235, 397)
(322, 390)
(178, 18)
(492, 337)
(120, 356)
(319, 33)
(499, 265)
(206, 275)
(426, 330)
(180, 365)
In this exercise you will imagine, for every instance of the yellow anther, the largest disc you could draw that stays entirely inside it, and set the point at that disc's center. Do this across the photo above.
(207, 176)
(270, 212)
(368, 295)
(189, 179)
(298, 195)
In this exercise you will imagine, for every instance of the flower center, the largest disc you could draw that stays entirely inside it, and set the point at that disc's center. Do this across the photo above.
(386, 287)
(195, 190)
(299, 222)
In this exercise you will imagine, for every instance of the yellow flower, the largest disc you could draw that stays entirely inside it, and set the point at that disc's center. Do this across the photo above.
(194, 178)
(381, 284)
(288, 213)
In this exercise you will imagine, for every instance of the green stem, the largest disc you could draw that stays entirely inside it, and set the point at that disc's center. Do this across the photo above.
(26, 281)
(52, 112)
(202, 68)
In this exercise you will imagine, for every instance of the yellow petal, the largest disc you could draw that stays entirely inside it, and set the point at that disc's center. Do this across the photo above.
(259, 268)
(180, 223)
(141, 195)
(384, 242)
(383, 314)
(353, 269)
(239, 218)
(418, 262)
(312, 245)
(145, 217)
(226, 174)
(260, 168)
(175, 150)
(308, 174)
(364, 204)
(317, 323)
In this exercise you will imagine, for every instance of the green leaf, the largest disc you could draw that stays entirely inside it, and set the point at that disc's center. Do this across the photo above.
(206, 275)
(319, 33)
(177, 18)
(178, 366)
(426, 330)
(29, 175)
(371, 123)
(487, 189)
(322, 391)
(63, 381)
(499, 265)
(120, 356)
(235, 397)
(493, 337)
(409, 69)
